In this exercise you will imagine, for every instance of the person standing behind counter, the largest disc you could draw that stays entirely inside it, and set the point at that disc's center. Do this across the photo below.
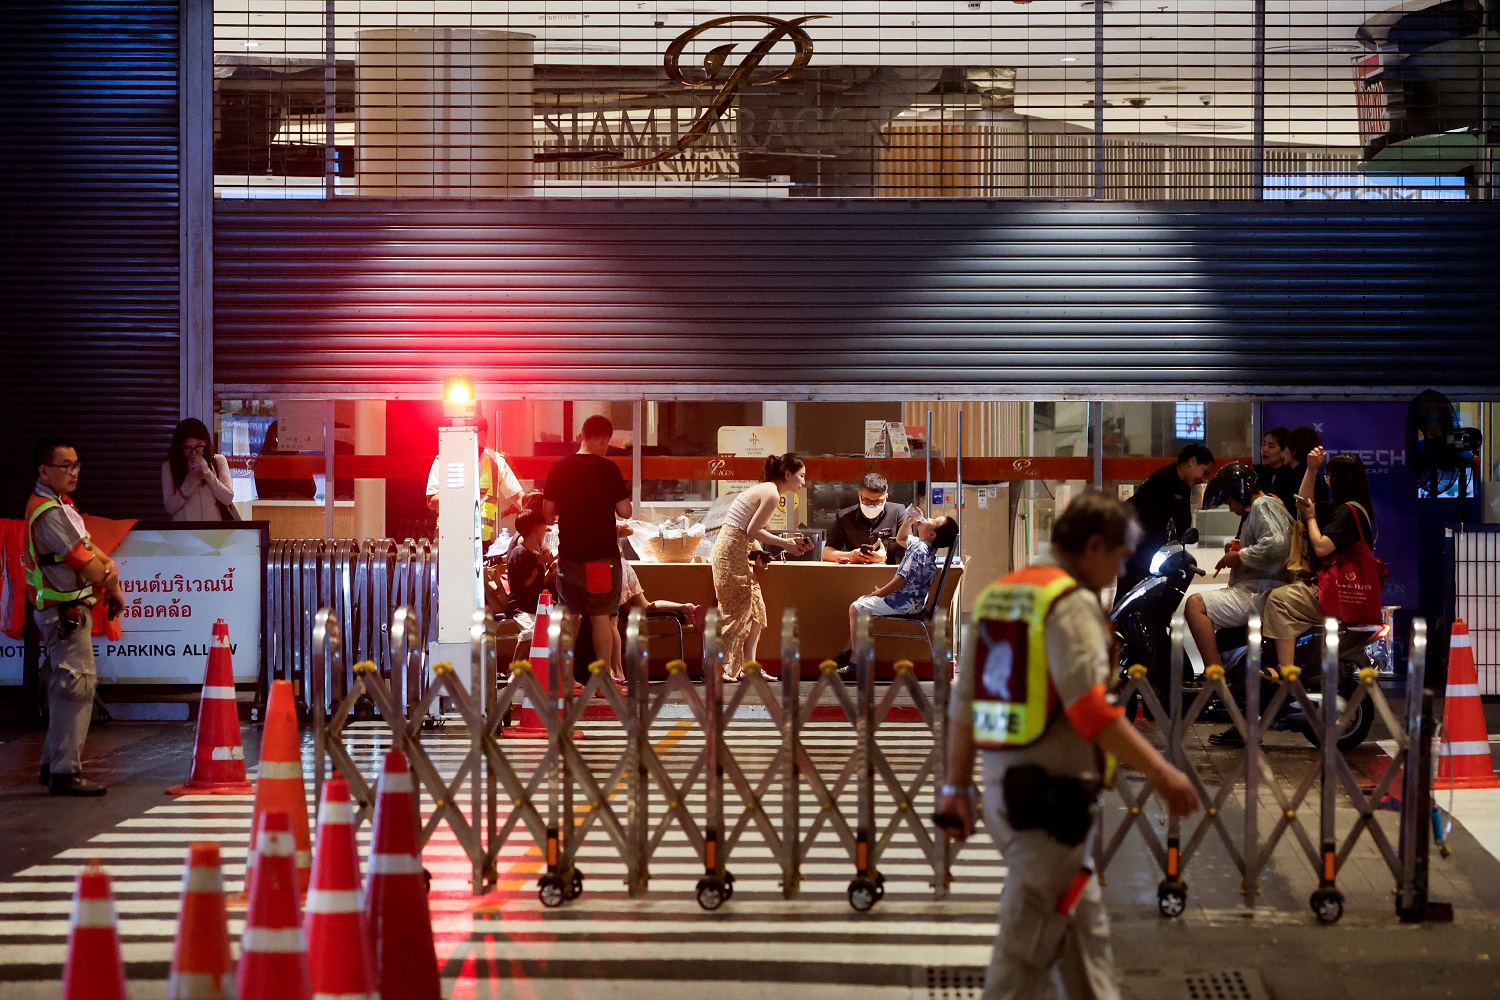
(858, 534)
(195, 482)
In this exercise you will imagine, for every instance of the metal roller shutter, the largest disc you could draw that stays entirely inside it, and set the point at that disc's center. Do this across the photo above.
(798, 299)
(89, 297)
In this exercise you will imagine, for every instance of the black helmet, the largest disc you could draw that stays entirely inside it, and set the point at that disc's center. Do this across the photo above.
(1235, 481)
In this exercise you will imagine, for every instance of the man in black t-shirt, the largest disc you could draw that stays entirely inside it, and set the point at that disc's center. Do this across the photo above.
(1164, 506)
(586, 492)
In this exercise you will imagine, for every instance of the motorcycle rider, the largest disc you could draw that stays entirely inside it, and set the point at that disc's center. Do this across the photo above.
(1256, 561)
(1163, 505)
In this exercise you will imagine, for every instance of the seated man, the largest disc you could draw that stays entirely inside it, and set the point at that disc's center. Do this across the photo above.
(907, 591)
(858, 534)
(1256, 559)
(528, 569)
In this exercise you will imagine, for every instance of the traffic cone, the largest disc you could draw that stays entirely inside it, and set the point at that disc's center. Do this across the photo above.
(338, 946)
(1464, 757)
(280, 786)
(396, 913)
(201, 966)
(273, 955)
(94, 968)
(529, 724)
(218, 757)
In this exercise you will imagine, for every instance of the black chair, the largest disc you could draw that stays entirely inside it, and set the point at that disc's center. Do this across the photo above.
(918, 624)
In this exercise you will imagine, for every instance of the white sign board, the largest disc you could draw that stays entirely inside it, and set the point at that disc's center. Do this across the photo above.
(874, 439)
(177, 582)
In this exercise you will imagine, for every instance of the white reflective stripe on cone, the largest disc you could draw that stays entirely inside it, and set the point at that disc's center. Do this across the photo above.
(203, 880)
(229, 753)
(395, 864)
(274, 844)
(280, 770)
(269, 940)
(222, 640)
(93, 913)
(335, 813)
(332, 901)
(1459, 641)
(1467, 749)
(395, 781)
(1463, 690)
(218, 694)
(199, 986)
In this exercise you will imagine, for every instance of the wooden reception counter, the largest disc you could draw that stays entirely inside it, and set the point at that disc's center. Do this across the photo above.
(821, 593)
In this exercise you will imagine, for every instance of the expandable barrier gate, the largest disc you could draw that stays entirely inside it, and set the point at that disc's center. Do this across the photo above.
(504, 800)
(360, 583)
(1249, 847)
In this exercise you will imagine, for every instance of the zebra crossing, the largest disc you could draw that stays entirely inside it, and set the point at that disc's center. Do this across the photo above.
(604, 943)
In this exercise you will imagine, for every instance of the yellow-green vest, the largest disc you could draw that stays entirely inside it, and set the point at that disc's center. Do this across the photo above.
(1013, 694)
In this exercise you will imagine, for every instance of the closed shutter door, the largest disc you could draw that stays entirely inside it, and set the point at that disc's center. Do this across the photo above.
(89, 293)
(862, 300)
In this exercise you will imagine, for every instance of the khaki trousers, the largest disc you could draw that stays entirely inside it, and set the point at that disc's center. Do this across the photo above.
(71, 681)
(1035, 943)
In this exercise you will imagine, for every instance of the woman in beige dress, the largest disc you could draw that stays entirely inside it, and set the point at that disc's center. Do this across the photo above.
(741, 607)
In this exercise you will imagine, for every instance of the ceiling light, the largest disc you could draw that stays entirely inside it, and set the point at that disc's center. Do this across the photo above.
(251, 45)
(1069, 58)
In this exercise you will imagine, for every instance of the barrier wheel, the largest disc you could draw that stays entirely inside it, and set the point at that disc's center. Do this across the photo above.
(711, 893)
(551, 890)
(863, 895)
(879, 887)
(1327, 905)
(575, 884)
(1171, 898)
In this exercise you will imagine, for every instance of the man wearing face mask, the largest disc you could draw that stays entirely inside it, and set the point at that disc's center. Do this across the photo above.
(874, 530)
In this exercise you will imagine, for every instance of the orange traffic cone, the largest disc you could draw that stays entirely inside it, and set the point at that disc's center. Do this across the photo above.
(218, 757)
(280, 786)
(529, 724)
(1464, 757)
(396, 912)
(273, 956)
(201, 966)
(338, 947)
(94, 969)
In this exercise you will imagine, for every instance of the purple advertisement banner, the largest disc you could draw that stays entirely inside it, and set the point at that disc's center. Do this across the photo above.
(1376, 432)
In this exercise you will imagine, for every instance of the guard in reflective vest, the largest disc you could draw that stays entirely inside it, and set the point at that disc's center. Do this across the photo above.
(65, 578)
(499, 490)
(1032, 693)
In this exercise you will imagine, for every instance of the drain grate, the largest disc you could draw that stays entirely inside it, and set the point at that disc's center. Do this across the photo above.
(1226, 984)
(954, 984)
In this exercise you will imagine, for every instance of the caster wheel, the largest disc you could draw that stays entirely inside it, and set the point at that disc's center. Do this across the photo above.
(711, 893)
(1327, 905)
(863, 895)
(1171, 898)
(575, 885)
(364, 710)
(879, 887)
(551, 890)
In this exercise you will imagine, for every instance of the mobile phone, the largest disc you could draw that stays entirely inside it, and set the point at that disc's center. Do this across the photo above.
(867, 549)
(947, 821)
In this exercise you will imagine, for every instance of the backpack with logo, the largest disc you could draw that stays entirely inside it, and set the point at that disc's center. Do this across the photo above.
(1350, 582)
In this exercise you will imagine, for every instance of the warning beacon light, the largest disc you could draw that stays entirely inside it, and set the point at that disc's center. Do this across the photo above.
(458, 396)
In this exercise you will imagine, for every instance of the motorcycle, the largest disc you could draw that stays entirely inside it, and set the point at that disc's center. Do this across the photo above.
(1142, 621)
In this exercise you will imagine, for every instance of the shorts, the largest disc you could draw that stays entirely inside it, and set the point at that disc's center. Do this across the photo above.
(878, 607)
(1231, 607)
(586, 592)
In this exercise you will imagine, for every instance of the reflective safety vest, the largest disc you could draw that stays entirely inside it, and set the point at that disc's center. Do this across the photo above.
(42, 595)
(1013, 692)
(489, 507)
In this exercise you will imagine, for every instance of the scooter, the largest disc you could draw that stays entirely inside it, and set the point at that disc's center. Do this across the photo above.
(1142, 621)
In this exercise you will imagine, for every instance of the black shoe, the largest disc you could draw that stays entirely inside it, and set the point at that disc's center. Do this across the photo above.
(44, 776)
(1230, 738)
(76, 785)
(845, 660)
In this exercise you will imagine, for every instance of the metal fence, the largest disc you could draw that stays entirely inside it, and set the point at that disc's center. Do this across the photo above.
(558, 799)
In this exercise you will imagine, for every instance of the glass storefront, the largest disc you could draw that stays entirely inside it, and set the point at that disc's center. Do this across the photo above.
(1125, 101)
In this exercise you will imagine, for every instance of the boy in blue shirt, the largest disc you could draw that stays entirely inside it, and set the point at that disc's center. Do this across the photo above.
(907, 591)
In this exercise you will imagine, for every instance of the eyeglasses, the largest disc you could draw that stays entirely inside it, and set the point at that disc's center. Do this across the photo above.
(196, 449)
(69, 467)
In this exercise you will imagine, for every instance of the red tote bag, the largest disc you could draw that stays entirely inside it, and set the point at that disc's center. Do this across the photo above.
(1350, 582)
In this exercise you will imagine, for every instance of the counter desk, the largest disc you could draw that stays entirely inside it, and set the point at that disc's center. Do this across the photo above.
(821, 593)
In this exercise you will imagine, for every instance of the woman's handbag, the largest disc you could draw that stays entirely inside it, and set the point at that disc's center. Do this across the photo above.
(1350, 582)
(227, 511)
(1299, 555)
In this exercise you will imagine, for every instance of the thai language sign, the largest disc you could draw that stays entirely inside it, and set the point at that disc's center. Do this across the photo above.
(177, 581)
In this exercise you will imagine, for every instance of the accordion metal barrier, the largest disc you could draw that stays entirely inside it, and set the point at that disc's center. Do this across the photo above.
(557, 796)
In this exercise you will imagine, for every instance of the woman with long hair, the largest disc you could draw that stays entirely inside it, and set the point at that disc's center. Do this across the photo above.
(1331, 527)
(741, 606)
(195, 479)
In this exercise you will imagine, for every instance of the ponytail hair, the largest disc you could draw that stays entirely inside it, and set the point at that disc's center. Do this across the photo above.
(779, 467)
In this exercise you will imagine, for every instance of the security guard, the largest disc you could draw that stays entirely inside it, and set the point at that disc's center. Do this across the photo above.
(499, 490)
(65, 577)
(1032, 693)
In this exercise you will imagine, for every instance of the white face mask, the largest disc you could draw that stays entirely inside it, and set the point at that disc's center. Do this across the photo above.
(873, 512)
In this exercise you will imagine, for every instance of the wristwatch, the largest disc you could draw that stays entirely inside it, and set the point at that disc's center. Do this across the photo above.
(946, 790)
